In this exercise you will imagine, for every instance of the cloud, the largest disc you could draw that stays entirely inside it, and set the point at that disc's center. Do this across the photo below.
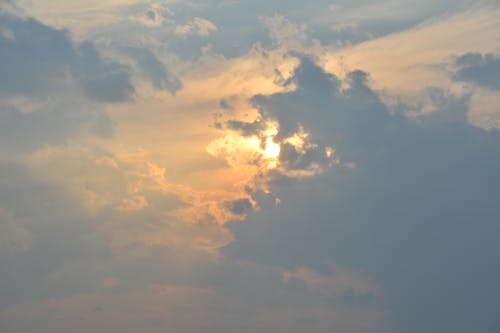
(26, 125)
(408, 214)
(139, 207)
(38, 60)
(483, 69)
(155, 15)
(160, 77)
(385, 16)
(255, 127)
(154, 306)
(70, 276)
(51, 87)
(8, 6)
(103, 81)
(282, 31)
(419, 52)
(240, 206)
(198, 27)
(34, 55)
(45, 229)
(15, 237)
(80, 17)
(111, 87)
(266, 191)
(340, 283)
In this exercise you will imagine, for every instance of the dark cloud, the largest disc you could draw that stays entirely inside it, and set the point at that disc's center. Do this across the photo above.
(483, 69)
(36, 59)
(418, 210)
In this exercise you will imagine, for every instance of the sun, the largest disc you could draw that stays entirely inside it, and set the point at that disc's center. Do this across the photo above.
(272, 149)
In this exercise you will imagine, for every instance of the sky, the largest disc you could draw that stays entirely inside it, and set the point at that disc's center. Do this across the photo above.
(221, 166)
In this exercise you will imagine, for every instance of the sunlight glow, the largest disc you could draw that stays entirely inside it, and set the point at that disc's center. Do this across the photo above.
(272, 148)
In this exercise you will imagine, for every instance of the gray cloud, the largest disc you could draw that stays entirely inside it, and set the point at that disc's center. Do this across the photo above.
(240, 206)
(332, 22)
(161, 78)
(52, 122)
(483, 69)
(419, 212)
(36, 58)
(103, 81)
(59, 233)
(246, 128)
(49, 86)
(33, 57)
(61, 280)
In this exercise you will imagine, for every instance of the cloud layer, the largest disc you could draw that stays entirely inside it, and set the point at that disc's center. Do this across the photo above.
(251, 166)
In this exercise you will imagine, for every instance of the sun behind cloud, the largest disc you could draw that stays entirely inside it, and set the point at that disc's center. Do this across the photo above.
(272, 149)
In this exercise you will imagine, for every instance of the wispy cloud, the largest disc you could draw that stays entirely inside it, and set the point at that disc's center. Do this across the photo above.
(198, 27)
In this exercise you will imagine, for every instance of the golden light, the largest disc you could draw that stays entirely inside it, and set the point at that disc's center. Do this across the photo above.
(272, 148)
(258, 152)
